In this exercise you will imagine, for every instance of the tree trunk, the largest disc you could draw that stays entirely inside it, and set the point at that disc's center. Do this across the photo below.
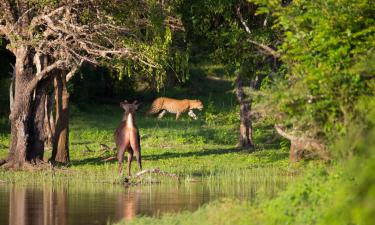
(246, 129)
(49, 122)
(27, 112)
(21, 110)
(60, 151)
(38, 126)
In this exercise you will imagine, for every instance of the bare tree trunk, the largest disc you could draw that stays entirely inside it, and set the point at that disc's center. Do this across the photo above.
(246, 129)
(38, 136)
(27, 128)
(49, 122)
(60, 151)
(20, 115)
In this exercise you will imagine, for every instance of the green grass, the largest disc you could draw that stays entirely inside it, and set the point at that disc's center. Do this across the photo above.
(185, 147)
(203, 149)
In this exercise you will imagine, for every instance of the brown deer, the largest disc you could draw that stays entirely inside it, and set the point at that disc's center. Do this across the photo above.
(127, 136)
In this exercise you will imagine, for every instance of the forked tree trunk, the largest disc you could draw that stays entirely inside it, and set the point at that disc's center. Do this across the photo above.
(246, 129)
(27, 129)
(60, 151)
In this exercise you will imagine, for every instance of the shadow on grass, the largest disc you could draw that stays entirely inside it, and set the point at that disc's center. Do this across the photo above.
(166, 155)
(204, 152)
(89, 161)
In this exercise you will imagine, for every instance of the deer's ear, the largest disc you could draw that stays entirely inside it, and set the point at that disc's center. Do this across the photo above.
(122, 104)
(138, 104)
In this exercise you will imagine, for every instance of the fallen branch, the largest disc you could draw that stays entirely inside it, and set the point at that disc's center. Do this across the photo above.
(109, 158)
(303, 146)
(105, 147)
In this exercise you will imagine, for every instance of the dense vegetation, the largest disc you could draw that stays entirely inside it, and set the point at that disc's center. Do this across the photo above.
(306, 66)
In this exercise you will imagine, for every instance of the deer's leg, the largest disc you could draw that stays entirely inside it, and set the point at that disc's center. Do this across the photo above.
(130, 157)
(139, 159)
(120, 158)
(192, 114)
(136, 146)
(162, 114)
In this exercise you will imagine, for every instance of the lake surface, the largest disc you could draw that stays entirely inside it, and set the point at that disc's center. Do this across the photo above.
(44, 204)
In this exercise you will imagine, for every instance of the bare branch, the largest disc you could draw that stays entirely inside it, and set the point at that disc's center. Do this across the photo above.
(244, 24)
(264, 47)
(20, 18)
(8, 11)
(42, 74)
(73, 71)
(48, 69)
(284, 134)
(4, 30)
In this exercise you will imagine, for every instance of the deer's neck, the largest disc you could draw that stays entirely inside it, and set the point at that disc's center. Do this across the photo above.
(129, 120)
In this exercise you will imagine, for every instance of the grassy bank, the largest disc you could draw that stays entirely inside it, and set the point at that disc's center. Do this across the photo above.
(339, 192)
(324, 195)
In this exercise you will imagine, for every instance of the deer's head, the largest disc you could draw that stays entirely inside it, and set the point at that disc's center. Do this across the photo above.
(129, 108)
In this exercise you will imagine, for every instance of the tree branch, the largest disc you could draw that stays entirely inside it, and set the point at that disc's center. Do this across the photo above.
(73, 71)
(282, 133)
(264, 47)
(42, 74)
(244, 24)
(20, 18)
(8, 11)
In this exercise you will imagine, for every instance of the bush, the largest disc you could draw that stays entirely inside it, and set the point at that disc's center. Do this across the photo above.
(323, 44)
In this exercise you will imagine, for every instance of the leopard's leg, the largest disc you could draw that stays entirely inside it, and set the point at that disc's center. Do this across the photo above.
(162, 114)
(192, 115)
(177, 115)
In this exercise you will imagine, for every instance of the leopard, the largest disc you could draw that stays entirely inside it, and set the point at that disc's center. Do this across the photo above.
(175, 106)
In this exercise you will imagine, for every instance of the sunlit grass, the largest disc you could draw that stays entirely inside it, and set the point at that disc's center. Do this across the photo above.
(185, 147)
(194, 150)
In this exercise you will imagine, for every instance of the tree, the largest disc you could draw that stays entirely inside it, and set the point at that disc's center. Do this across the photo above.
(48, 37)
(232, 42)
(322, 45)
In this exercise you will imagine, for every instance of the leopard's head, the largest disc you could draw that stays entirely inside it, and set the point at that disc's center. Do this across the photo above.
(196, 104)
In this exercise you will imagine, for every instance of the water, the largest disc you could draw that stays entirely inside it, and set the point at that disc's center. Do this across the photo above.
(42, 204)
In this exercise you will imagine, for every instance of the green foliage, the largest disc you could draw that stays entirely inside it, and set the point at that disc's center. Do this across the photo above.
(323, 43)
(163, 46)
(214, 30)
(213, 116)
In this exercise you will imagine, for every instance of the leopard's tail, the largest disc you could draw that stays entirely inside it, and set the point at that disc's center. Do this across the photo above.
(156, 106)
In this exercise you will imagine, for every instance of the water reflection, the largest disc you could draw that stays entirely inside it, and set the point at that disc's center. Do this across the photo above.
(46, 204)
(36, 206)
